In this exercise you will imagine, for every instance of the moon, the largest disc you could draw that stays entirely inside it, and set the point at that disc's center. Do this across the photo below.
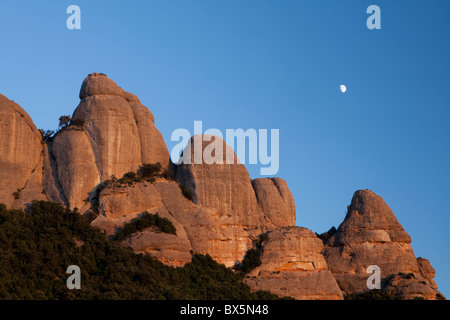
(343, 88)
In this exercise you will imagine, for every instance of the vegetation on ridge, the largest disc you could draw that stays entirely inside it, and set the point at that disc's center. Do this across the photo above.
(37, 247)
(186, 192)
(326, 235)
(64, 122)
(252, 258)
(146, 221)
(375, 294)
(147, 172)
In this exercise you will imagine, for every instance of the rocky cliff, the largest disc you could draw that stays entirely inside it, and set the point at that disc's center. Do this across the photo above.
(21, 156)
(96, 164)
(371, 235)
(292, 264)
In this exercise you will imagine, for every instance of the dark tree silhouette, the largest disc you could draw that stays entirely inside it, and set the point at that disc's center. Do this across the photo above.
(64, 121)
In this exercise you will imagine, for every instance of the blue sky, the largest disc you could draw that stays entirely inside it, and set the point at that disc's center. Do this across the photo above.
(268, 65)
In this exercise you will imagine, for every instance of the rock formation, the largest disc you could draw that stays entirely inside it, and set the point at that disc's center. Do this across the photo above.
(214, 205)
(21, 156)
(293, 265)
(371, 235)
(75, 165)
(226, 199)
(275, 199)
(153, 147)
(109, 124)
(222, 220)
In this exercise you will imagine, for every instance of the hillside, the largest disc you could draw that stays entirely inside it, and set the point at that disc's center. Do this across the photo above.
(36, 249)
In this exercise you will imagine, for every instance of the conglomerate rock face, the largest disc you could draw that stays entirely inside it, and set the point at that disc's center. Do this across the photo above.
(215, 206)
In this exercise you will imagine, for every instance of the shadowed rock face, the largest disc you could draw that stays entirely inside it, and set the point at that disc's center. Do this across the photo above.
(371, 235)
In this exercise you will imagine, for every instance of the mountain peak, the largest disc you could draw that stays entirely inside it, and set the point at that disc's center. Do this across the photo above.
(99, 84)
